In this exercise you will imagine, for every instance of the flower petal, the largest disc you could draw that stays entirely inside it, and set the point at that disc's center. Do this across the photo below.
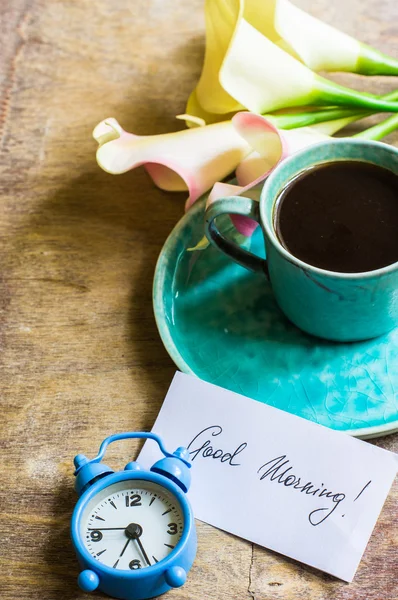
(323, 47)
(261, 76)
(191, 120)
(260, 133)
(271, 145)
(192, 159)
(265, 139)
(318, 45)
(221, 17)
(194, 108)
(251, 168)
(244, 225)
(297, 139)
(165, 178)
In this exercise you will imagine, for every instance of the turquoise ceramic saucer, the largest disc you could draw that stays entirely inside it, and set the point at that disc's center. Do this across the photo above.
(220, 322)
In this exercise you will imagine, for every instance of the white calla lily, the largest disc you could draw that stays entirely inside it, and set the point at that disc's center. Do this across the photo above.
(323, 47)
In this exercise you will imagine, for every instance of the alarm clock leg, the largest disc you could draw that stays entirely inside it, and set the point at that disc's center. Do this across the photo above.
(88, 581)
(175, 576)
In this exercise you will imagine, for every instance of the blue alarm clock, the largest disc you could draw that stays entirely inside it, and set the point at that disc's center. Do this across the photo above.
(133, 531)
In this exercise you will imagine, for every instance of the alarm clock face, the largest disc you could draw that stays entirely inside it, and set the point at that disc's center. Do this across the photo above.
(132, 524)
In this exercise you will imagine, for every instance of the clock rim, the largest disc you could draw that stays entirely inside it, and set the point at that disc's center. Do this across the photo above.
(108, 480)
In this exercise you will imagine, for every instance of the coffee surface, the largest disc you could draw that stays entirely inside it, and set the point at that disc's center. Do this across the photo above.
(342, 216)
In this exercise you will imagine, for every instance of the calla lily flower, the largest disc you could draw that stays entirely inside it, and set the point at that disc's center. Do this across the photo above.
(318, 45)
(191, 159)
(247, 61)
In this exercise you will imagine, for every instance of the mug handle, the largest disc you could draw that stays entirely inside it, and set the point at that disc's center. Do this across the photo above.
(237, 205)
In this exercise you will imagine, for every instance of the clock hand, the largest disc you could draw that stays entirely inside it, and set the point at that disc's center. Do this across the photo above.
(124, 547)
(143, 551)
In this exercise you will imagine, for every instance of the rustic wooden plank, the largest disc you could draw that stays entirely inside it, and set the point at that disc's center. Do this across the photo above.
(80, 354)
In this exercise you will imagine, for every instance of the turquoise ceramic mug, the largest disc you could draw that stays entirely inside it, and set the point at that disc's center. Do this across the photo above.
(330, 305)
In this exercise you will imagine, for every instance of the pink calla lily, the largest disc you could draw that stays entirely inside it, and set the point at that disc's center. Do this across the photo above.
(189, 160)
(270, 146)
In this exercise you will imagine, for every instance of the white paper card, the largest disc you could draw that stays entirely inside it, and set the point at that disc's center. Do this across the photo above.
(275, 479)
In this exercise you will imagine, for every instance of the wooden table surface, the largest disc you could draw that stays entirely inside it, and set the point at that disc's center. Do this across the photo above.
(80, 354)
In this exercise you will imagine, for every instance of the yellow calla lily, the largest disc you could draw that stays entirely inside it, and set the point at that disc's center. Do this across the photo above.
(253, 54)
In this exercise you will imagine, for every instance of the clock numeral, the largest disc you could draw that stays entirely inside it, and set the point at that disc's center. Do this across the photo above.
(96, 536)
(172, 528)
(135, 564)
(133, 500)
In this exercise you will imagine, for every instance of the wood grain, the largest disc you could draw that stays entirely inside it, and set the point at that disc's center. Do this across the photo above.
(80, 354)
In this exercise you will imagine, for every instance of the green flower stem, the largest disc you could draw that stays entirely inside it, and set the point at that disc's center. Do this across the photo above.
(377, 132)
(373, 62)
(306, 119)
(328, 92)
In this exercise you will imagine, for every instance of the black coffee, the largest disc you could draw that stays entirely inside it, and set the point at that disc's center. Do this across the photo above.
(342, 217)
